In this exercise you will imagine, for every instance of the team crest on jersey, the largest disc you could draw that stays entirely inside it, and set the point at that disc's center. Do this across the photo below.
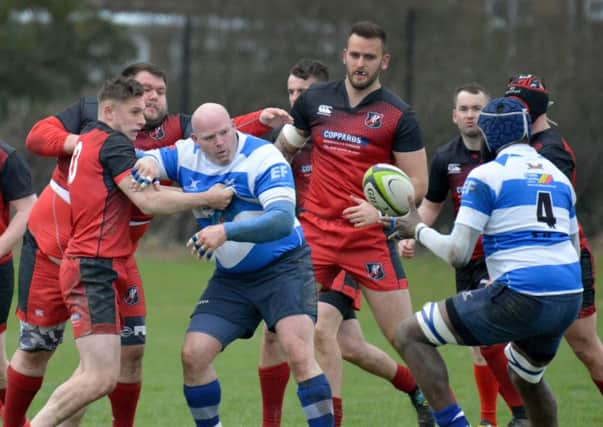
(132, 296)
(192, 185)
(158, 133)
(375, 270)
(373, 120)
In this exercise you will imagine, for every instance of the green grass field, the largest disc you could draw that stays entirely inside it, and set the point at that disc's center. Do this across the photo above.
(172, 288)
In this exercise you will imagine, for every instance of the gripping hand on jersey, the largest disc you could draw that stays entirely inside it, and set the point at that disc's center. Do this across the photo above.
(404, 225)
(145, 173)
(204, 242)
(218, 196)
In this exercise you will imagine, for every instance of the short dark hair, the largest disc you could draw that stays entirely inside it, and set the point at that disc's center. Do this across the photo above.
(307, 68)
(368, 30)
(472, 87)
(133, 69)
(120, 89)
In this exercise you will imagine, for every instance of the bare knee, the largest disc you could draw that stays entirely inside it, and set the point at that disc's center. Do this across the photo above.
(407, 334)
(192, 360)
(31, 363)
(100, 383)
(324, 338)
(131, 362)
(352, 350)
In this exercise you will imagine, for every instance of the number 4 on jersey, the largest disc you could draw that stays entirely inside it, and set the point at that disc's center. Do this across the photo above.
(544, 209)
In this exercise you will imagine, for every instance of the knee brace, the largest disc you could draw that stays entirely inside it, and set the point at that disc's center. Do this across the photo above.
(522, 366)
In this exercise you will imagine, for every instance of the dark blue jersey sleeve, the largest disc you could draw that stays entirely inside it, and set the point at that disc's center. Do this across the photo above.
(77, 116)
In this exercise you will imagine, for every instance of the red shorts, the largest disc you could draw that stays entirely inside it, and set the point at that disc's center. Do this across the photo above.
(88, 286)
(50, 221)
(365, 253)
(40, 301)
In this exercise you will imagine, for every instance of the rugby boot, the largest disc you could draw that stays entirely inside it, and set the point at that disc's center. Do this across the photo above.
(519, 422)
(424, 415)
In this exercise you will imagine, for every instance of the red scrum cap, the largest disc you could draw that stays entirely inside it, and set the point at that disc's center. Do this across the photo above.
(531, 90)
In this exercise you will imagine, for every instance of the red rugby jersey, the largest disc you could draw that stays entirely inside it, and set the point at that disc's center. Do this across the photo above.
(347, 141)
(100, 211)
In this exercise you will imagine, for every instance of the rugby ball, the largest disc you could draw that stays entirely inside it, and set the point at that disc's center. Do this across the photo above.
(387, 188)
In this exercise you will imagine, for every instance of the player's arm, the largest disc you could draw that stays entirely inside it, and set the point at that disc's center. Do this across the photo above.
(18, 223)
(414, 164)
(118, 157)
(259, 122)
(49, 138)
(275, 223)
(169, 202)
(455, 248)
(429, 211)
(290, 140)
(17, 191)
(55, 136)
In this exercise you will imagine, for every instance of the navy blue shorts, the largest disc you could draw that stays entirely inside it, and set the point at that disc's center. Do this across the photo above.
(233, 305)
(497, 314)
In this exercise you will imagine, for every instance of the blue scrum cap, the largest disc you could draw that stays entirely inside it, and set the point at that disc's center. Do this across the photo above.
(504, 121)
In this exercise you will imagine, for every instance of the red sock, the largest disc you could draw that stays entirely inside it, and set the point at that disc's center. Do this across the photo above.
(273, 382)
(599, 384)
(497, 361)
(403, 380)
(338, 411)
(21, 389)
(487, 388)
(124, 400)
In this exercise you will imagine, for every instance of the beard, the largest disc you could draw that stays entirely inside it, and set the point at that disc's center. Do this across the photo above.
(153, 122)
(361, 86)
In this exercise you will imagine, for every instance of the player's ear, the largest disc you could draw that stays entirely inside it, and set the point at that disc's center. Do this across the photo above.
(385, 61)
(343, 54)
(106, 110)
(454, 119)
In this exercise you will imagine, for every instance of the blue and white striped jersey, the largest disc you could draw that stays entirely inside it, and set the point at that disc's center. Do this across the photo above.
(260, 176)
(525, 208)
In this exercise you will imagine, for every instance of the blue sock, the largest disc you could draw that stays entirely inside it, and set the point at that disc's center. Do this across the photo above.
(452, 416)
(317, 402)
(203, 402)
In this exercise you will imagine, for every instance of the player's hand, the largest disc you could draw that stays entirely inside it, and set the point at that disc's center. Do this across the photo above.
(204, 242)
(404, 225)
(145, 173)
(275, 117)
(406, 248)
(218, 197)
(362, 213)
